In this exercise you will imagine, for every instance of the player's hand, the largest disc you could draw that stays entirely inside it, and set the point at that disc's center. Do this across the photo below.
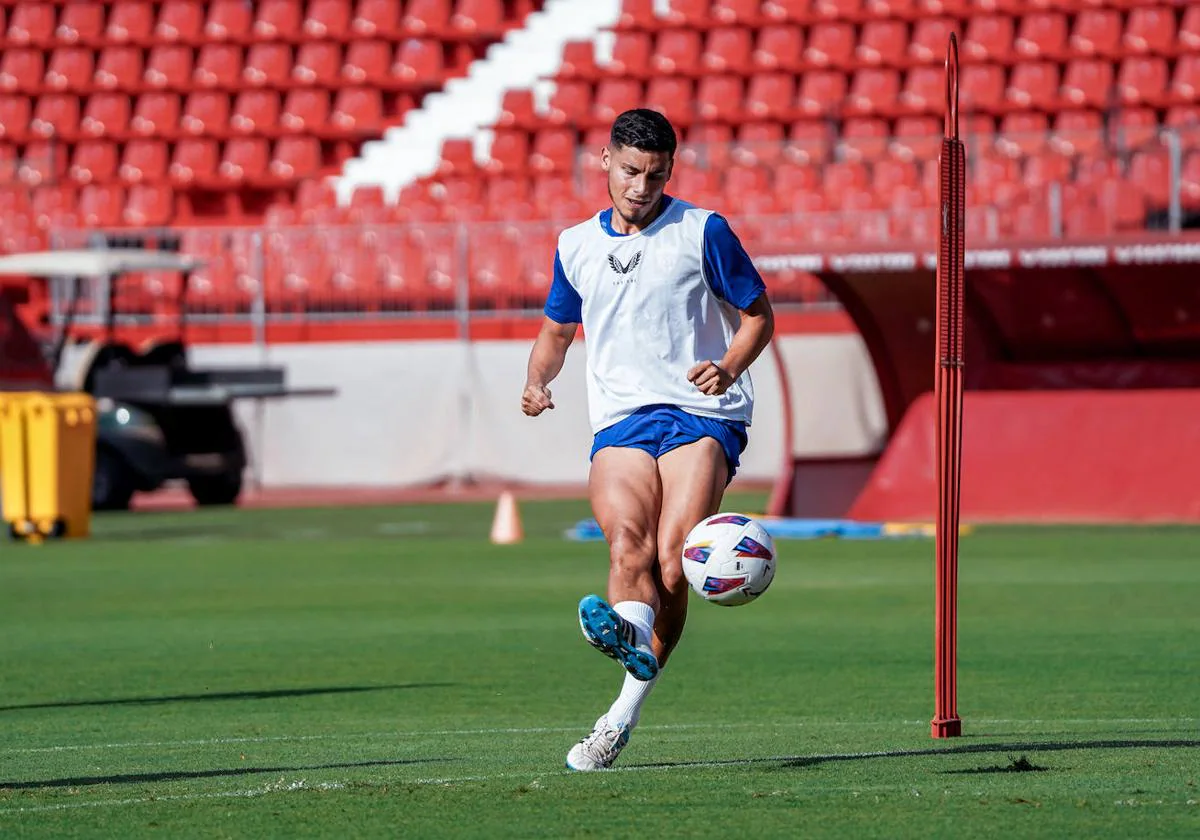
(536, 399)
(710, 378)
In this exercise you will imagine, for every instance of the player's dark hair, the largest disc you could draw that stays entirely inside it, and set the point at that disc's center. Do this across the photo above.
(643, 129)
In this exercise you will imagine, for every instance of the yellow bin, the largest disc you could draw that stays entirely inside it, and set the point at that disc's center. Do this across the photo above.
(13, 468)
(48, 454)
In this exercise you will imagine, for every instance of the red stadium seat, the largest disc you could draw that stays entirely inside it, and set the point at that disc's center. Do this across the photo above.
(130, 20)
(194, 160)
(375, 19)
(687, 13)
(70, 68)
(458, 157)
(55, 114)
(988, 38)
(553, 151)
(630, 55)
(509, 152)
(1023, 133)
(267, 65)
(30, 23)
(218, 65)
(677, 51)
(228, 20)
(93, 161)
(929, 38)
(1033, 84)
(355, 109)
(1185, 84)
(101, 205)
(143, 160)
(206, 112)
(1142, 80)
(1150, 173)
(830, 44)
(924, 91)
(1042, 35)
(739, 12)
(882, 42)
(277, 19)
(21, 69)
(255, 111)
(769, 96)
(179, 20)
(873, 90)
(418, 58)
(80, 22)
(791, 11)
(105, 113)
(168, 66)
(759, 144)
(327, 19)
(304, 110)
(982, 88)
(719, 98)
(1185, 120)
(571, 102)
(1077, 133)
(475, 18)
(917, 139)
(1150, 29)
(864, 139)
(578, 61)
(1135, 128)
(778, 47)
(148, 205)
(837, 9)
(614, 96)
(317, 63)
(155, 114)
(672, 96)
(821, 92)
(894, 9)
(244, 159)
(727, 50)
(1189, 28)
(637, 14)
(708, 145)
(43, 162)
(1087, 82)
(1097, 32)
(15, 113)
(517, 110)
(295, 157)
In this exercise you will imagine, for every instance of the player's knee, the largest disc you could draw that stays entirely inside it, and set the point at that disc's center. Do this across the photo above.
(671, 570)
(632, 550)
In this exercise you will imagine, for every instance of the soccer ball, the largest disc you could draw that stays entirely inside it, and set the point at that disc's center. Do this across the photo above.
(729, 559)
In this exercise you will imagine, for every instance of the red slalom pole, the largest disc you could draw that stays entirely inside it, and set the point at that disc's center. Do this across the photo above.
(948, 393)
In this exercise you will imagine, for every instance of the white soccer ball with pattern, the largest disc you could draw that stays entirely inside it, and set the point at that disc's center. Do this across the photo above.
(729, 559)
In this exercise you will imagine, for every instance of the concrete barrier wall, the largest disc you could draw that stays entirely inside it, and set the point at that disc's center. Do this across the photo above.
(415, 412)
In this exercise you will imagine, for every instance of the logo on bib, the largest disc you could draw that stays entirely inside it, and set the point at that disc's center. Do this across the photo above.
(627, 267)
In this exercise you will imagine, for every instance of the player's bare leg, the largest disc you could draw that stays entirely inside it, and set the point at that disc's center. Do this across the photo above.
(693, 484)
(626, 495)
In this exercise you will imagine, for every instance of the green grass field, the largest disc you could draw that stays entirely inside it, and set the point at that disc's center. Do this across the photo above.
(387, 672)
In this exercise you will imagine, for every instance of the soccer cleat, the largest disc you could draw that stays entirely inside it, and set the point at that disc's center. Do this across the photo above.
(615, 637)
(600, 749)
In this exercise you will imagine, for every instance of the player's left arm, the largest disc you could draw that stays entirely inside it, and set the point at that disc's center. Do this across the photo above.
(733, 277)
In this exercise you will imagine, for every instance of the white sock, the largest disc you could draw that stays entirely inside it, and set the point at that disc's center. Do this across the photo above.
(640, 615)
(627, 708)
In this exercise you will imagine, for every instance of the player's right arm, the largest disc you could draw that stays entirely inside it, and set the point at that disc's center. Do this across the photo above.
(563, 313)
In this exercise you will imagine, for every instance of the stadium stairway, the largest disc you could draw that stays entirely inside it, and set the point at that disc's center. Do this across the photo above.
(470, 105)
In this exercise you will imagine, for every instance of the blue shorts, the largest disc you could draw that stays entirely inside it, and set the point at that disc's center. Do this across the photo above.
(658, 429)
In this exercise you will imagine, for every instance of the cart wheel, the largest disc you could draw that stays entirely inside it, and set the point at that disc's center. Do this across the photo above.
(222, 489)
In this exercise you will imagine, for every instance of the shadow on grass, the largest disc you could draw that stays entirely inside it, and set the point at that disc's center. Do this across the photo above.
(273, 694)
(786, 762)
(180, 775)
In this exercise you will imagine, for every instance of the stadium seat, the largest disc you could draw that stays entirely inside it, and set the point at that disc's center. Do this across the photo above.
(179, 20)
(672, 96)
(376, 19)
(571, 102)
(553, 151)
(988, 38)
(708, 145)
(924, 91)
(267, 65)
(80, 22)
(1135, 127)
(821, 92)
(614, 96)
(244, 159)
(167, 66)
(255, 112)
(1185, 120)
(295, 157)
(509, 152)
(15, 113)
(194, 160)
(206, 112)
(419, 59)
(70, 68)
(1189, 28)
(476, 18)
(1150, 29)
(218, 66)
(277, 20)
(1185, 83)
(30, 23)
(1088, 82)
(578, 61)
(55, 114)
(100, 205)
(830, 44)
(676, 51)
(792, 11)
(929, 37)
(686, 13)
(882, 42)
(1041, 35)
(873, 90)
(630, 55)
(917, 139)
(427, 18)
(228, 20)
(22, 69)
(155, 114)
(737, 12)
(864, 139)
(367, 62)
(143, 160)
(759, 144)
(304, 110)
(147, 205)
(1150, 173)
(769, 96)
(327, 19)
(1097, 32)
(778, 48)
(1033, 84)
(1142, 80)
(93, 161)
(317, 63)
(719, 98)
(1023, 133)
(1077, 133)
(105, 113)
(130, 20)
(982, 88)
(809, 142)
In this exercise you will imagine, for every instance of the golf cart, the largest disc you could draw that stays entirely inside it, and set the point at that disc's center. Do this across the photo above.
(158, 418)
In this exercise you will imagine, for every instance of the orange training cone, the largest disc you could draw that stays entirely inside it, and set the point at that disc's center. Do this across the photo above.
(506, 526)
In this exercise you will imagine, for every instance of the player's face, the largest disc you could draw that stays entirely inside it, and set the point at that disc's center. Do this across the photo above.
(636, 180)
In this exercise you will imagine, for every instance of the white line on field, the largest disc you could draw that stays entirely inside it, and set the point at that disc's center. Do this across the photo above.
(278, 787)
(544, 730)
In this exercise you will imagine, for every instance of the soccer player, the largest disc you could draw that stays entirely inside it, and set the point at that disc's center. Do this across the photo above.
(674, 313)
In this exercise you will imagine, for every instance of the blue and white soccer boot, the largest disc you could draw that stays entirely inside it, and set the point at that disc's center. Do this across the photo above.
(599, 750)
(615, 637)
